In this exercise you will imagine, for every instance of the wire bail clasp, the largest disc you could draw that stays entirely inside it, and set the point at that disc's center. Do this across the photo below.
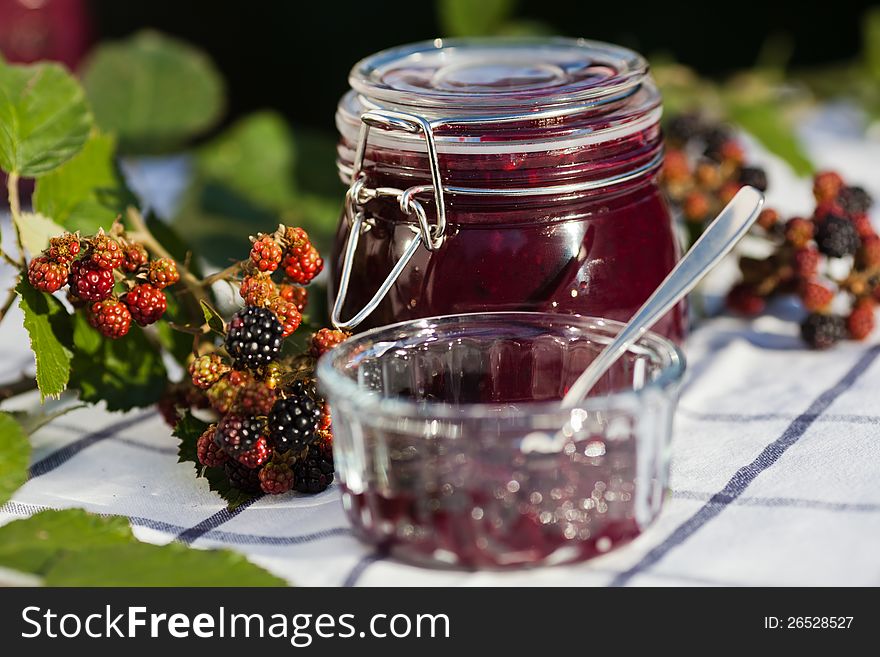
(359, 194)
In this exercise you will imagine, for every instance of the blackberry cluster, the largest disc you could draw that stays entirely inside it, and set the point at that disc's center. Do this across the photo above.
(273, 432)
(838, 305)
(90, 266)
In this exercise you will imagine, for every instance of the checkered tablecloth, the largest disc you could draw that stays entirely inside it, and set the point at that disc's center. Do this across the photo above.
(775, 471)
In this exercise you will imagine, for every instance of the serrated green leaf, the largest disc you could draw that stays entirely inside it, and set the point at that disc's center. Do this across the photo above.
(49, 327)
(126, 373)
(255, 158)
(213, 318)
(44, 118)
(15, 453)
(140, 564)
(86, 193)
(764, 121)
(35, 231)
(153, 91)
(188, 430)
(468, 18)
(75, 548)
(219, 483)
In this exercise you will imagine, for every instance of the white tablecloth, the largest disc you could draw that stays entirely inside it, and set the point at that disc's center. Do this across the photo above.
(775, 472)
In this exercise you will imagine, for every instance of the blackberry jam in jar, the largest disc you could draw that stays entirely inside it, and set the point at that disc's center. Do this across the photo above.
(500, 175)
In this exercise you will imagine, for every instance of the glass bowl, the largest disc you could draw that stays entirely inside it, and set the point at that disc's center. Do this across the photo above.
(452, 450)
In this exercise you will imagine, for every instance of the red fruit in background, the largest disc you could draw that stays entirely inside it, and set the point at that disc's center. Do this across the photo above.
(266, 253)
(806, 262)
(134, 257)
(815, 296)
(303, 268)
(276, 478)
(35, 30)
(325, 339)
(209, 452)
(827, 185)
(146, 303)
(46, 275)
(744, 300)
(163, 272)
(295, 294)
(863, 226)
(696, 206)
(768, 218)
(676, 167)
(860, 322)
(89, 281)
(110, 317)
(256, 290)
(256, 455)
(799, 232)
(868, 254)
(287, 314)
(63, 249)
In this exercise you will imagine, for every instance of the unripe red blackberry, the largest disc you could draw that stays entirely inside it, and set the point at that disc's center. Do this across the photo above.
(827, 185)
(63, 249)
(266, 254)
(146, 303)
(868, 255)
(325, 339)
(255, 397)
(237, 434)
(860, 322)
(728, 191)
(696, 206)
(815, 296)
(134, 257)
(223, 395)
(163, 273)
(676, 168)
(806, 262)
(743, 299)
(111, 317)
(256, 455)
(799, 232)
(276, 478)
(768, 218)
(295, 294)
(106, 252)
(257, 289)
(287, 314)
(89, 281)
(302, 262)
(207, 370)
(208, 451)
(47, 275)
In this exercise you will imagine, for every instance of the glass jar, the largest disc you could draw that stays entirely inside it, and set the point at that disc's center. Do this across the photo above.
(490, 175)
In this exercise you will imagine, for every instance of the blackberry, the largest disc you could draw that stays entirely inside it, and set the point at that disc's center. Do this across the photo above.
(822, 331)
(860, 322)
(208, 451)
(837, 236)
(146, 303)
(89, 282)
(325, 339)
(254, 337)
(293, 420)
(256, 290)
(110, 317)
(256, 455)
(237, 434)
(684, 127)
(754, 176)
(163, 272)
(47, 275)
(313, 472)
(855, 200)
(242, 477)
(276, 478)
(207, 370)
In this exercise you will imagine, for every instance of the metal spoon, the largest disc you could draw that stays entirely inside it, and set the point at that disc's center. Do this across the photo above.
(715, 243)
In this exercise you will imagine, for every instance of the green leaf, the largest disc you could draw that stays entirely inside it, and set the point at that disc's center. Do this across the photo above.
(871, 41)
(126, 373)
(44, 118)
(764, 121)
(219, 483)
(188, 430)
(75, 548)
(140, 564)
(468, 18)
(32, 544)
(213, 318)
(255, 158)
(35, 231)
(15, 453)
(86, 193)
(153, 91)
(49, 327)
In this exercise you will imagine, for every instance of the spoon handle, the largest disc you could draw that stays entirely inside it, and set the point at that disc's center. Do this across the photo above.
(716, 242)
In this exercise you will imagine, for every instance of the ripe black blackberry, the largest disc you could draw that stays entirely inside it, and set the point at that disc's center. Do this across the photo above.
(313, 472)
(237, 434)
(822, 331)
(837, 236)
(684, 127)
(855, 200)
(754, 176)
(294, 419)
(242, 477)
(254, 337)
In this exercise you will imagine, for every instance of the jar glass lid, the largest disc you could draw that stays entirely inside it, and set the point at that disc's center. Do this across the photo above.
(480, 76)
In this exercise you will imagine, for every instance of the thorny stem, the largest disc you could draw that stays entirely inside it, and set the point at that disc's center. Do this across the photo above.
(221, 275)
(19, 387)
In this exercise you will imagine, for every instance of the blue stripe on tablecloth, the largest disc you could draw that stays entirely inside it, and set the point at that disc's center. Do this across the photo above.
(212, 522)
(20, 509)
(786, 502)
(747, 474)
(764, 417)
(61, 456)
(355, 573)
